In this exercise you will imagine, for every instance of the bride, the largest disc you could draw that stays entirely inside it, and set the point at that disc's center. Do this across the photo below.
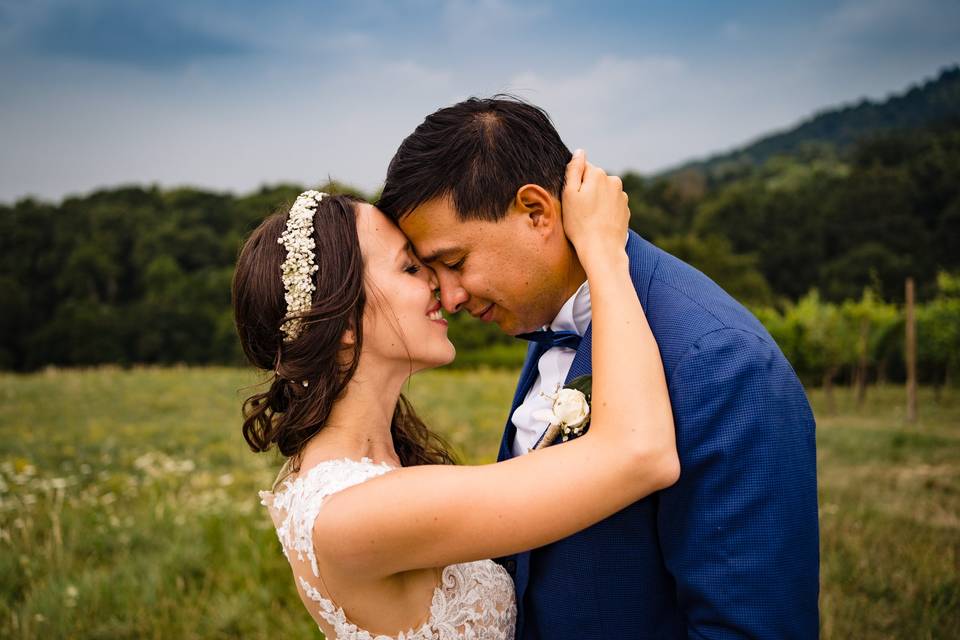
(385, 536)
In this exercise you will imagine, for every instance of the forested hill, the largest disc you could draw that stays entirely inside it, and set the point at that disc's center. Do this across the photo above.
(928, 104)
(140, 274)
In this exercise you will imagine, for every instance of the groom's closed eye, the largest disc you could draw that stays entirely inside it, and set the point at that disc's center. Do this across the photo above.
(456, 265)
(445, 257)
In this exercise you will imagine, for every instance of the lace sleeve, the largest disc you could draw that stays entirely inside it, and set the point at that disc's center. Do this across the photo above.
(295, 506)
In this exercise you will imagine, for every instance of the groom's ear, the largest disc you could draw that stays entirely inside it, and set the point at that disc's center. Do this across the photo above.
(541, 209)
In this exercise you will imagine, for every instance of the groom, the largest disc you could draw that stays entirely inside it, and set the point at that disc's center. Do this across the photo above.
(731, 550)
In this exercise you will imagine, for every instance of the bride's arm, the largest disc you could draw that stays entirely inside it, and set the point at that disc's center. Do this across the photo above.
(432, 516)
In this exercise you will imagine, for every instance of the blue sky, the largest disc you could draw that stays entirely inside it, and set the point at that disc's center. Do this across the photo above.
(233, 95)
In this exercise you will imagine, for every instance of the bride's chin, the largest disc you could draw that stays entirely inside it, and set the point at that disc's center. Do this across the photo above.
(452, 354)
(438, 359)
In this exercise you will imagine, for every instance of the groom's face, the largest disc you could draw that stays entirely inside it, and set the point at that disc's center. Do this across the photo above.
(501, 272)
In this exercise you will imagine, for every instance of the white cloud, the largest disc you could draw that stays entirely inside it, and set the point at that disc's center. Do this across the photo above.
(608, 99)
(296, 126)
(644, 113)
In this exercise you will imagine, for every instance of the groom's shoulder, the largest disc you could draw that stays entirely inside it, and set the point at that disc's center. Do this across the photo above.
(683, 305)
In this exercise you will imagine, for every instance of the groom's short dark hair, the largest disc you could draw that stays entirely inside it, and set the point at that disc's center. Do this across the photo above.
(478, 152)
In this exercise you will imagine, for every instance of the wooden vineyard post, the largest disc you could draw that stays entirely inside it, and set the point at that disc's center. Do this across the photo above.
(911, 354)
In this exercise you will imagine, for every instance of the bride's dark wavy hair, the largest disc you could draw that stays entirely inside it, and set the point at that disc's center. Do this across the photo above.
(288, 414)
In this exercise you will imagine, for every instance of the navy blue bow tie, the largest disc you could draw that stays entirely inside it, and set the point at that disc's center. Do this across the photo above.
(549, 338)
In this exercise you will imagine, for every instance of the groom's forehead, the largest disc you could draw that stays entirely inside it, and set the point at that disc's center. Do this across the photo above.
(433, 216)
(434, 230)
(431, 242)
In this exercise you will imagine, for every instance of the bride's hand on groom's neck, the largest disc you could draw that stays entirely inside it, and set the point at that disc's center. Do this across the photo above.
(595, 213)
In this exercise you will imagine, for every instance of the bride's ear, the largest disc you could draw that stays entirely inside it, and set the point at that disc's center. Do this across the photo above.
(348, 342)
(541, 209)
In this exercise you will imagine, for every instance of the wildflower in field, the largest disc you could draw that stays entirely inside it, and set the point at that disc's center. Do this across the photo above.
(71, 594)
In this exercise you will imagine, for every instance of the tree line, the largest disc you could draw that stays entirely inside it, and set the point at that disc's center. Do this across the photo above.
(141, 274)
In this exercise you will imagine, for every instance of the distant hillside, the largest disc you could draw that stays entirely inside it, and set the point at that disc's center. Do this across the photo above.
(931, 103)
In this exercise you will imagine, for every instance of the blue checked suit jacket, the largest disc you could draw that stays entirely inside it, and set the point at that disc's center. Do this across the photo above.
(731, 550)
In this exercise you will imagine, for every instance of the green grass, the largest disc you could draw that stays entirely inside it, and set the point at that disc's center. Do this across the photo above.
(128, 506)
(889, 517)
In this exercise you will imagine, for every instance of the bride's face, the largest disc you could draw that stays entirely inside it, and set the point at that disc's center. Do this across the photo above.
(402, 315)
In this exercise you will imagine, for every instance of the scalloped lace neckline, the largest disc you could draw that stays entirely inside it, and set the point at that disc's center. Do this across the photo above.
(364, 460)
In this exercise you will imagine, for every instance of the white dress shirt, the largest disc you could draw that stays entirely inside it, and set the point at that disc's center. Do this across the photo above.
(575, 315)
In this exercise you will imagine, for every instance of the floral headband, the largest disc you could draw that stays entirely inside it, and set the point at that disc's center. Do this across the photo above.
(299, 267)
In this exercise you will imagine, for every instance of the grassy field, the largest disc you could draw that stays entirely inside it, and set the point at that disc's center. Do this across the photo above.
(128, 506)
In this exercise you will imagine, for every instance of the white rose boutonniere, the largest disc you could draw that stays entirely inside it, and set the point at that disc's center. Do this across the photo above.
(570, 415)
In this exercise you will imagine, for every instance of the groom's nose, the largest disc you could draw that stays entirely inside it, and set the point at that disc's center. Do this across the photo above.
(452, 295)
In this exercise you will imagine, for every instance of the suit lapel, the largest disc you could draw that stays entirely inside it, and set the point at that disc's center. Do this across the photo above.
(642, 256)
(581, 364)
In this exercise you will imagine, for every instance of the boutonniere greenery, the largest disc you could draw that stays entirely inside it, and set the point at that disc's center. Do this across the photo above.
(569, 417)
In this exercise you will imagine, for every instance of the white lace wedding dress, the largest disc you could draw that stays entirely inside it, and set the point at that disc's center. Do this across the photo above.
(474, 600)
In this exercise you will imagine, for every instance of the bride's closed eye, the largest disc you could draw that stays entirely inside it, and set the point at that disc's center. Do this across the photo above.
(413, 265)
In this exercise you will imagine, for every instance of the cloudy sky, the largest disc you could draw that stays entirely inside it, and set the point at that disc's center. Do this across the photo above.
(232, 95)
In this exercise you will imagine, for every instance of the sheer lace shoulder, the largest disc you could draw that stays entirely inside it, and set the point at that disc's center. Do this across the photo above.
(295, 506)
(473, 600)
